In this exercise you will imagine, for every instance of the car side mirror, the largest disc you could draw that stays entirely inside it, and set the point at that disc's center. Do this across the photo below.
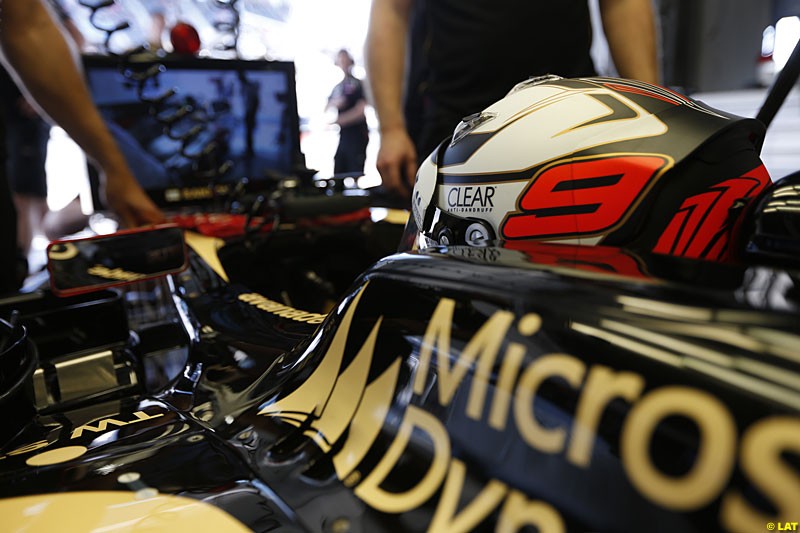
(90, 264)
(775, 225)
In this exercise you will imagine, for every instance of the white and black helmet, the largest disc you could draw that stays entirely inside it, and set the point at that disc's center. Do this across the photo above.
(590, 161)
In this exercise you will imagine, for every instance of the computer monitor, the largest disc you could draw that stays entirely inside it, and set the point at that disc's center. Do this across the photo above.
(243, 113)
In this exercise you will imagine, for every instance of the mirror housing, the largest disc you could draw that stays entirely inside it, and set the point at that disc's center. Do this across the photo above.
(90, 264)
(774, 229)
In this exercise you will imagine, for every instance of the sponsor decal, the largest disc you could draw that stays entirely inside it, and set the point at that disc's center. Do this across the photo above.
(103, 425)
(62, 251)
(195, 193)
(583, 196)
(116, 274)
(64, 454)
(471, 199)
(483, 255)
(335, 404)
(284, 311)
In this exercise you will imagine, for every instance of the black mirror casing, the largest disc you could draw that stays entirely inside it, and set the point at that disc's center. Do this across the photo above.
(85, 265)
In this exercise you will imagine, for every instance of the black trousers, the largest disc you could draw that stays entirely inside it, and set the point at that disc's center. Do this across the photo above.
(9, 253)
(352, 151)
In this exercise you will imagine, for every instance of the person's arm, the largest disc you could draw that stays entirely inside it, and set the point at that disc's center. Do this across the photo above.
(333, 102)
(353, 115)
(630, 29)
(41, 58)
(385, 53)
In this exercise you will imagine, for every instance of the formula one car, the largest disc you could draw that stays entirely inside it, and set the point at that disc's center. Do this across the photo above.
(591, 325)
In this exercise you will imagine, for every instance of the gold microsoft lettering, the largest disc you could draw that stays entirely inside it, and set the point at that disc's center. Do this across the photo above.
(347, 404)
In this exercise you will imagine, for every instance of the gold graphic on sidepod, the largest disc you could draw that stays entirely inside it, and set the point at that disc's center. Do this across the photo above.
(347, 403)
(338, 402)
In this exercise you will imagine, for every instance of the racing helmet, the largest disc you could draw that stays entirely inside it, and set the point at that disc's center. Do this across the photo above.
(592, 161)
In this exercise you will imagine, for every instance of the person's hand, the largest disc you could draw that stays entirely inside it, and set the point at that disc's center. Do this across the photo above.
(337, 101)
(397, 162)
(126, 198)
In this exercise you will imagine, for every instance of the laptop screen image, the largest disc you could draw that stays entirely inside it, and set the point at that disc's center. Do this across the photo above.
(213, 123)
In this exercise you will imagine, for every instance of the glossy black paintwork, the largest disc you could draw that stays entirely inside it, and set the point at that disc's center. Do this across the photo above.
(171, 452)
(603, 308)
(404, 291)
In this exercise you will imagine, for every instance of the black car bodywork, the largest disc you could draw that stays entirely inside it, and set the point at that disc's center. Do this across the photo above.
(551, 386)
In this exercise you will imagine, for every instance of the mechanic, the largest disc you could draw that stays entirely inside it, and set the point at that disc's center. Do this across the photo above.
(350, 102)
(39, 56)
(466, 54)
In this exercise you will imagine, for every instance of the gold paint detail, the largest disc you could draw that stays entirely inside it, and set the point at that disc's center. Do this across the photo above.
(447, 516)
(546, 440)
(352, 480)
(284, 311)
(437, 336)
(498, 417)
(343, 401)
(715, 456)
(38, 445)
(342, 404)
(529, 324)
(483, 346)
(102, 425)
(370, 490)
(68, 252)
(114, 511)
(57, 456)
(331, 399)
(367, 421)
(761, 459)
(519, 512)
(605, 118)
(206, 247)
(394, 216)
(602, 386)
(115, 274)
(196, 193)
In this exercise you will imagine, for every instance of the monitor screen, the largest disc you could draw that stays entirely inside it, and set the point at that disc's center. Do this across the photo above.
(227, 120)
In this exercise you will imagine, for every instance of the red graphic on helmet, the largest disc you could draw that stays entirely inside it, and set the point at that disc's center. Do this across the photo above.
(583, 197)
(702, 227)
(598, 259)
(651, 91)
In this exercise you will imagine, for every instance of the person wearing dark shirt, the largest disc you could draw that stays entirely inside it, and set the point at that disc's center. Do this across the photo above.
(349, 101)
(27, 136)
(41, 60)
(465, 55)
